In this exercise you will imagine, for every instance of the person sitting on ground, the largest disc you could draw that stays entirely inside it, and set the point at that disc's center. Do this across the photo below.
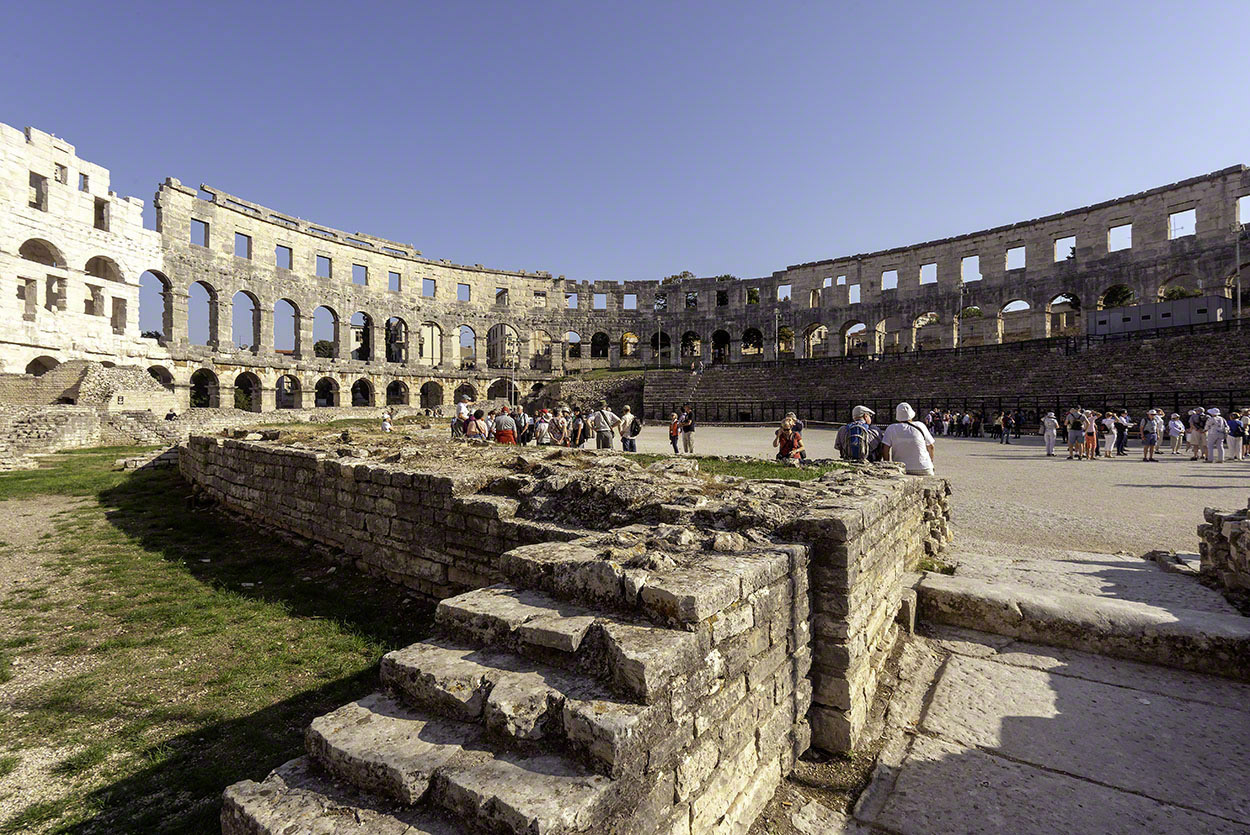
(463, 413)
(908, 442)
(542, 429)
(1050, 429)
(386, 421)
(789, 443)
(1151, 429)
(629, 429)
(859, 440)
(171, 415)
(1176, 432)
(674, 431)
(476, 428)
(604, 422)
(505, 427)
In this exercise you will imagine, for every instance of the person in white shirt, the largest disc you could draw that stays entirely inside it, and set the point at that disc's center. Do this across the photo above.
(908, 442)
(1217, 431)
(1176, 431)
(1108, 424)
(628, 443)
(463, 413)
(1050, 428)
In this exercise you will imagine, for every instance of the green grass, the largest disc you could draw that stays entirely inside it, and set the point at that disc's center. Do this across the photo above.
(936, 566)
(8, 764)
(180, 680)
(758, 469)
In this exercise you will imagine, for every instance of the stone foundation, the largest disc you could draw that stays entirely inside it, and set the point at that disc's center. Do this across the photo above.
(1225, 548)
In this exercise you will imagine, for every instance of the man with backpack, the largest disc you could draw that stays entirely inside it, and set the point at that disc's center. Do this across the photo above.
(603, 422)
(1198, 433)
(629, 429)
(859, 440)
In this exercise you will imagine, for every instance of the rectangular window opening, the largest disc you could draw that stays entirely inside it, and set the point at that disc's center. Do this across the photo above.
(1183, 224)
(501, 296)
(783, 292)
(84, 182)
(462, 293)
(826, 282)
(722, 298)
(928, 273)
(970, 268)
(852, 294)
(360, 275)
(661, 302)
(841, 280)
(600, 301)
(393, 282)
(692, 300)
(1015, 258)
(101, 214)
(325, 267)
(1120, 237)
(570, 301)
(199, 232)
(282, 257)
(38, 192)
(427, 288)
(753, 295)
(242, 246)
(1065, 248)
(889, 280)
(540, 298)
(62, 174)
(1243, 210)
(631, 301)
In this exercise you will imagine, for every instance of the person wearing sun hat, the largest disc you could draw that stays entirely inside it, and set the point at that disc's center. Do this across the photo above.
(1217, 431)
(908, 442)
(1151, 429)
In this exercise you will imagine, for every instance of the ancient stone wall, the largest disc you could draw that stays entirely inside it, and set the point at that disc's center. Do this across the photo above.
(1224, 545)
(26, 431)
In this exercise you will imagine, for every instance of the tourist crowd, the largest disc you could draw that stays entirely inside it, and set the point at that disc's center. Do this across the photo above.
(573, 426)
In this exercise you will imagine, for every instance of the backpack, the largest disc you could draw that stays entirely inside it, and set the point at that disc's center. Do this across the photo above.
(1201, 421)
(636, 427)
(857, 442)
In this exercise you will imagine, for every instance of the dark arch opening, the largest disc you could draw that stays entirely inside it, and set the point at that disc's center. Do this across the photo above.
(204, 394)
(247, 392)
(396, 394)
(326, 393)
(286, 392)
(431, 395)
(362, 393)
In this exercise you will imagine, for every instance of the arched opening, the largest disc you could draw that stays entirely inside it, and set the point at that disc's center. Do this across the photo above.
(245, 322)
(467, 340)
(431, 395)
(502, 390)
(572, 345)
(536, 389)
(1117, 295)
(326, 392)
(927, 334)
(752, 343)
(785, 340)
(815, 340)
(599, 344)
(40, 366)
(1180, 287)
(720, 346)
(662, 346)
(247, 392)
(855, 339)
(540, 350)
(287, 393)
(325, 333)
(503, 347)
(1016, 321)
(161, 374)
(629, 344)
(396, 333)
(691, 345)
(813, 299)
(103, 268)
(204, 393)
(156, 306)
(1065, 315)
(466, 390)
(429, 344)
(362, 393)
(41, 252)
(362, 336)
(202, 315)
(286, 328)
(397, 393)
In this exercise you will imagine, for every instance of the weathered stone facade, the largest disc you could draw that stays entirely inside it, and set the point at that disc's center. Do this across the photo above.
(1224, 545)
(640, 663)
(72, 253)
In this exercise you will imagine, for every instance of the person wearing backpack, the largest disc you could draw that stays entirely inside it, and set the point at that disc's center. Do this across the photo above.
(1216, 431)
(629, 428)
(859, 440)
(1236, 434)
(1198, 433)
(909, 442)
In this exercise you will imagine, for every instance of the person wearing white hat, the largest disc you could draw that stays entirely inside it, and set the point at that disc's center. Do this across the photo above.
(1050, 428)
(908, 442)
(859, 440)
(1176, 431)
(1217, 431)
(1151, 428)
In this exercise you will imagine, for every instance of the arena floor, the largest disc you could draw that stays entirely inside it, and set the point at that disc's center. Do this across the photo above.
(1014, 495)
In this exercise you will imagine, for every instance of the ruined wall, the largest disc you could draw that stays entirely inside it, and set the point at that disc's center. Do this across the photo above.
(26, 431)
(1224, 545)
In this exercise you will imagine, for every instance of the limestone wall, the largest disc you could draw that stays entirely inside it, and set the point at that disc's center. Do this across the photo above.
(1224, 545)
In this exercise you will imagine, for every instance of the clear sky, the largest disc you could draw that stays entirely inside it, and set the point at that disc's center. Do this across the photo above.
(634, 140)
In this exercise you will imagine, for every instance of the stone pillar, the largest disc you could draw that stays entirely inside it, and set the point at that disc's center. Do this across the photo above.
(735, 350)
(214, 325)
(614, 355)
(225, 395)
(178, 335)
(479, 353)
(264, 344)
(268, 398)
(343, 339)
(450, 359)
(303, 337)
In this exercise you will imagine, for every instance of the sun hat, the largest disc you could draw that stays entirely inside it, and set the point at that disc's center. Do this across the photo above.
(860, 411)
(1213, 412)
(904, 412)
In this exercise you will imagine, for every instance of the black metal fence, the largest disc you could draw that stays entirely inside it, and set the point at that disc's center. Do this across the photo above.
(1032, 405)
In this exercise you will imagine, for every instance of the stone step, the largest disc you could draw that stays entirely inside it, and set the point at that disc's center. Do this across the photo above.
(379, 745)
(635, 659)
(297, 798)
(525, 700)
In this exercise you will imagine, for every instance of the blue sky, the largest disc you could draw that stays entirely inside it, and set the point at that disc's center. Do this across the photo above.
(634, 140)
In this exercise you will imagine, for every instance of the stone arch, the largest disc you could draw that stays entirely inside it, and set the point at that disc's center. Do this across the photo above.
(362, 336)
(41, 252)
(429, 344)
(162, 375)
(326, 392)
(813, 299)
(536, 389)
(752, 343)
(855, 338)
(502, 389)
(540, 350)
(466, 390)
(1181, 286)
(1064, 311)
(397, 393)
(815, 340)
(466, 342)
(691, 345)
(205, 392)
(629, 344)
(503, 346)
(395, 337)
(202, 314)
(245, 322)
(720, 345)
(325, 332)
(661, 345)
(599, 345)
(1015, 321)
(287, 393)
(572, 345)
(286, 328)
(156, 306)
(247, 392)
(431, 395)
(928, 331)
(104, 268)
(362, 393)
(1117, 295)
(41, 365)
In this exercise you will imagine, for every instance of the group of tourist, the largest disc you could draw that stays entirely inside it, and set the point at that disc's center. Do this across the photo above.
(907, 440)
(568, 426)
(1204, 433)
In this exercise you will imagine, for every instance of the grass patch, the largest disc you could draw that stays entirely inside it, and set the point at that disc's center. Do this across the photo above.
(754, 469)
(8, 764)
(936, 566)
(180, 679)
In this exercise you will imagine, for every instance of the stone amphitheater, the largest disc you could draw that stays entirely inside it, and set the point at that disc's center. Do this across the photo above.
(631, 647)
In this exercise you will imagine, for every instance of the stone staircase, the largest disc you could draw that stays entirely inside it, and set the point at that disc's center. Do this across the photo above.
(564, 700)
